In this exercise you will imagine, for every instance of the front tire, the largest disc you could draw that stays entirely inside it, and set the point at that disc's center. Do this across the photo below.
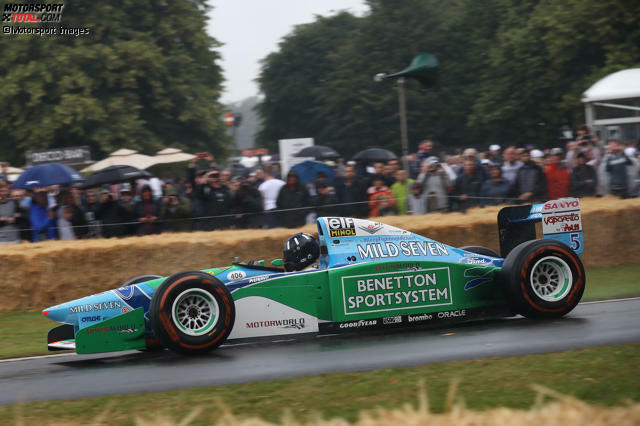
(543, 278)
(192, 312)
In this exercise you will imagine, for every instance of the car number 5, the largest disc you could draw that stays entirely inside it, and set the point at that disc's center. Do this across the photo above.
(575, 241)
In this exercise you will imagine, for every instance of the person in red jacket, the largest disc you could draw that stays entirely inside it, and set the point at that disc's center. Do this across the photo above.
(558, 178)
(381, 201)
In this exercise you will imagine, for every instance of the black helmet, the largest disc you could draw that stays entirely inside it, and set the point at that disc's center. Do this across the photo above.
(300, 251)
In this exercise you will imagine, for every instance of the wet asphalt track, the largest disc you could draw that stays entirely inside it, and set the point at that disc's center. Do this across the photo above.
(76, 376)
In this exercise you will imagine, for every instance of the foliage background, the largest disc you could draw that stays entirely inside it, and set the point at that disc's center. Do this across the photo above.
(146, 77)
(511, 71)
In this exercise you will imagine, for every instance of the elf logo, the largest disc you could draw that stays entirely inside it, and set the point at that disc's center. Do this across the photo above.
(341, 227)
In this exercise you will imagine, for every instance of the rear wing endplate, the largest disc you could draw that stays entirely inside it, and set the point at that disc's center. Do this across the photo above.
(561, 221)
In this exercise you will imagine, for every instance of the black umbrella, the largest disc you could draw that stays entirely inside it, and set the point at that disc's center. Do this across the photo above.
(114, 174)
(319, 152)
(46, 175)
(375, 154)
(238, 169)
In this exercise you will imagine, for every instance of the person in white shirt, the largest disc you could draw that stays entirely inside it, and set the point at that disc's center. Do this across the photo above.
(511, 165)
(270, 189)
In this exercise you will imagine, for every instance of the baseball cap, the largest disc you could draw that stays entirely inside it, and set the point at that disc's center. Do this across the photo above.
(494, 147)
(125, 187)
(556, 151)
(536, 153)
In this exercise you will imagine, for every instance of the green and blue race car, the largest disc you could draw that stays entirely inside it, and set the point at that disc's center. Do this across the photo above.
(367, 275)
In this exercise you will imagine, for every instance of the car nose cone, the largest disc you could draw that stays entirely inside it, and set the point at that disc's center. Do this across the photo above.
(59, 313)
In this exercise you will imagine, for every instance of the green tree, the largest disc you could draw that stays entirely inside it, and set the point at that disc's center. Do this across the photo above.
(145, 77)
(292, 78)
(546, 54)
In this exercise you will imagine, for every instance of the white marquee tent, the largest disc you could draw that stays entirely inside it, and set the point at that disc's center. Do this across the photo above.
(612, 105)
(123, 157)
(172, 155)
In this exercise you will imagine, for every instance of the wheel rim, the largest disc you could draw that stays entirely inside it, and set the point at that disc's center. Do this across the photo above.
(195, 312)
(551, 278)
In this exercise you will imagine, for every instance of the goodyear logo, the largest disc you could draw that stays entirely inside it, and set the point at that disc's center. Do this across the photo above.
(341, 227)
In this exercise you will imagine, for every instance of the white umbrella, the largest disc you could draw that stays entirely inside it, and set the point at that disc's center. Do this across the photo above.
(13, 173)
(123, 157)
(172, 155)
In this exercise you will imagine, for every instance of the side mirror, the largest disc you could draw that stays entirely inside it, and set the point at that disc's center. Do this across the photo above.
(277, 262)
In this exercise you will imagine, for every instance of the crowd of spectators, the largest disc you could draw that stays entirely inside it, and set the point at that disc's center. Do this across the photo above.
(213, 198)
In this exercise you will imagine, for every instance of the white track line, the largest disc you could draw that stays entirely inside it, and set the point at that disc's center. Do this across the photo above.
(610, 300)
(287, 340)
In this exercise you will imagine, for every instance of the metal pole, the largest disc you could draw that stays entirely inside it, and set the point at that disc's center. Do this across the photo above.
(403, 124)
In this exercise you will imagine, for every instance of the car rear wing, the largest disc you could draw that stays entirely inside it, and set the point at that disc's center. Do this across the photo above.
(561, 220)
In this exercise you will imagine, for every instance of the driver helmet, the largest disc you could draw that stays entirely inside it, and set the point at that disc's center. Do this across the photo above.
(300, 251)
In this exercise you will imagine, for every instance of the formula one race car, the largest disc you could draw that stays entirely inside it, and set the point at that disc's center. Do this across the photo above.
(368, 275)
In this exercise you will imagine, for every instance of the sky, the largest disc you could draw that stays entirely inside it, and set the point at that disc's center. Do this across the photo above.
(251, 29)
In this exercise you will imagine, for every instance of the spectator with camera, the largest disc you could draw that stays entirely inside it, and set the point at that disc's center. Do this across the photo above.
(175, 211)
(216, 202)
(246, 205)
(325, 199)
(111, 215)
(435, 184)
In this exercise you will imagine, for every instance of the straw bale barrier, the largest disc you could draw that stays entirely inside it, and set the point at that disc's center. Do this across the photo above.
(34, 276)
(565, 410)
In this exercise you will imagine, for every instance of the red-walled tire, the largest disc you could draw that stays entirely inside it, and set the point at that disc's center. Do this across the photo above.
(192, 312)
(543, 278)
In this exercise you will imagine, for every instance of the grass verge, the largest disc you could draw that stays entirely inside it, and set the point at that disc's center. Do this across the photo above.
(24, 333)
(606, 375)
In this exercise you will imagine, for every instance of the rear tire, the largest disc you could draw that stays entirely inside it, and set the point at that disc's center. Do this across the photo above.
(543, 278)
(484, 251)
(192, 312)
